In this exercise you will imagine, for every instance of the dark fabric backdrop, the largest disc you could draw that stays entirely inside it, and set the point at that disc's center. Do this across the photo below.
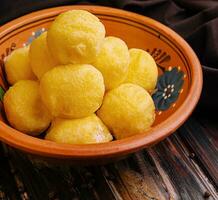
(195, 20)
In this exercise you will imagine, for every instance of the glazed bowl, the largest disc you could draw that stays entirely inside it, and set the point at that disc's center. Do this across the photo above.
(178, 88)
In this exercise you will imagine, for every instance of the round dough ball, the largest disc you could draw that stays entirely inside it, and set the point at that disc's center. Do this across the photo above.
(72, 91)
(127, 110)
(79, 131)
(24, 108)
(75, 37)
(113, 61)
(41, 60)
(17, 66)
(142, 69)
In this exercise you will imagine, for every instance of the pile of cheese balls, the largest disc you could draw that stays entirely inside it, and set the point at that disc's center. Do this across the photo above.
(78, 86)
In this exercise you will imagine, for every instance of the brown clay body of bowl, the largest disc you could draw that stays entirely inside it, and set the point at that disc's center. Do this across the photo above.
(178, 89)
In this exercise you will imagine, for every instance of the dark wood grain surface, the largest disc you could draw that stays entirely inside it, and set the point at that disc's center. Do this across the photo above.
(183, 166)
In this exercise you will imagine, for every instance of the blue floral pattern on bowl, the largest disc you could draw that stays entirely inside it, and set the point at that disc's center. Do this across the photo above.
(34, 35)
(168, 88)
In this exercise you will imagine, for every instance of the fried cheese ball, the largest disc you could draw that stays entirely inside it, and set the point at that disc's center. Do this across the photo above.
(113, 61)
(24, 108)
(78, 131)
(127, 110)
(142, 69)
(17, 66)
(75, 37)
(72, 91)
(41, 60)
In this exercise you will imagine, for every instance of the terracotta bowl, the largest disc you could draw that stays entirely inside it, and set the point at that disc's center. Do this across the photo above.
(178, 89)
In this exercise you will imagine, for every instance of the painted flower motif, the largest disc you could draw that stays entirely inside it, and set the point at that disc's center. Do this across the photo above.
(34, 35)
(168, 88)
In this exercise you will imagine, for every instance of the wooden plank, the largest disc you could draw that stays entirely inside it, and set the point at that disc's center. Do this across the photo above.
(8, 189)
(60, 182)
(183, 177)
(165, 171)
(40, 183)
(101, 185)
(136, 178)
(201, 136)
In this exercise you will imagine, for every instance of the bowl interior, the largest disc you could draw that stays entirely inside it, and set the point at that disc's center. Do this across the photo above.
(174, 65)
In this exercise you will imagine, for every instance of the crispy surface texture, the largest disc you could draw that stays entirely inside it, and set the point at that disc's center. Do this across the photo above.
(113, 61)
(24, 108)
(142, 69)
(72, 91)
(79, 131)
(127, 110)
(75, 37)
(17, 66)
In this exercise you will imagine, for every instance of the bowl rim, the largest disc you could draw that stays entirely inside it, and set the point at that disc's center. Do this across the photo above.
(118, 147)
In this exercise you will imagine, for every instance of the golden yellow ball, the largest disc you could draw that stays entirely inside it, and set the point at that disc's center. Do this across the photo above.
(75, 37)
(17, 66)
(41, 60)
(72, 91)
(142, 69)
(113, 61)
(24, 108)
(127, 110)
(78, 131)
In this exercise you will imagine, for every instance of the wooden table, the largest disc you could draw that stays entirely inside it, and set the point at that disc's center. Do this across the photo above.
(183, 166)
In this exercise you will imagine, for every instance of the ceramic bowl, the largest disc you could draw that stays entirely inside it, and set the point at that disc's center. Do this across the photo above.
(178, 88)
